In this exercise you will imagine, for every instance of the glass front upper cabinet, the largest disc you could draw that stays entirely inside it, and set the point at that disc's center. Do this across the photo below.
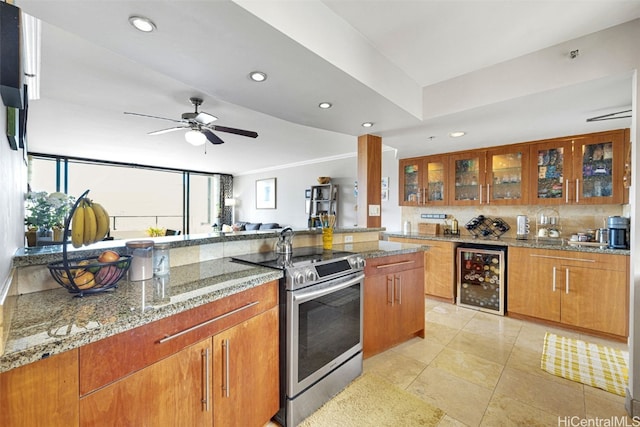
(435, 180)
(598, 169)
(507, 180)
(411, 182)
(468, 177)
(551, 175)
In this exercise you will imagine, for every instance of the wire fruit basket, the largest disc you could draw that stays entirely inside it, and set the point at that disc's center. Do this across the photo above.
(86, 275)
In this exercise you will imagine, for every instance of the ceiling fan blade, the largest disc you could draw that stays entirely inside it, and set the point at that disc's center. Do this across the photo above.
(160, 132)
(205, 118)
(248, 133)
(213, 138)
(154, 117)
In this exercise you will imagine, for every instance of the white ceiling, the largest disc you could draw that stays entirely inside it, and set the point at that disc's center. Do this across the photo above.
(371, 59)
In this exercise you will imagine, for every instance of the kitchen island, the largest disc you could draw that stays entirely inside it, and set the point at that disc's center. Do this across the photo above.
(108, 356)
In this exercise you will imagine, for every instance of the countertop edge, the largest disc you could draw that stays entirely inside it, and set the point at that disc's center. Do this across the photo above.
(529, 243)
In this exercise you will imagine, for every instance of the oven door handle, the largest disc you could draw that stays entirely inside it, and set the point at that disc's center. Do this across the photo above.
(312, 292)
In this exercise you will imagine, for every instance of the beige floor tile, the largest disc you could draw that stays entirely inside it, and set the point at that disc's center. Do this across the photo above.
(448, 421)
(450, 315)
(439, 333)
(469, 367)
(505, 411)
(492, 348)
(460, 399)
(493, 325)
(602, 404)
(564, 399)
(422, 350)
(394, 367)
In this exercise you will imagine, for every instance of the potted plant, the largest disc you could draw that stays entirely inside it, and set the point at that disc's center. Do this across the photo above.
(46, 213)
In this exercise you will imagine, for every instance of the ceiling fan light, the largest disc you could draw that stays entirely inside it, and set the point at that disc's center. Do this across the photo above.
(195, 137)
(142, 24)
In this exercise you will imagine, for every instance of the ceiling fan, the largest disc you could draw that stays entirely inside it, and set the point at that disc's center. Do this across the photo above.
(198, 125)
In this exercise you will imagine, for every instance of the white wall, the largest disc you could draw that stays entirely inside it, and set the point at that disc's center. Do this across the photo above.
(292, 182)
(13, 176)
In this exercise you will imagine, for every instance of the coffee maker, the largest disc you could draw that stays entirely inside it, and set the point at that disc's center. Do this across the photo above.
(618, 232)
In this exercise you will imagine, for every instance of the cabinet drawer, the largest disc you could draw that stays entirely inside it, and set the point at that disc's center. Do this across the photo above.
(107, 360)
(582, 259)
(394, 263)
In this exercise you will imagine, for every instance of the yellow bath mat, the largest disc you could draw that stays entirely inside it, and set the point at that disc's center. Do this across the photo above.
(586, 363)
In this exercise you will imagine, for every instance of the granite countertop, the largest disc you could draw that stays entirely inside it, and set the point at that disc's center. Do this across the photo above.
(53, 321)
(532, 243)
(49, 322)
(43, 255)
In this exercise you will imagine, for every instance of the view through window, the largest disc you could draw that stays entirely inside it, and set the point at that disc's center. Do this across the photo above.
(138, 198)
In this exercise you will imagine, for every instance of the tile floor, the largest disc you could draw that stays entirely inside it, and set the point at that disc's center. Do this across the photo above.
(484, 370)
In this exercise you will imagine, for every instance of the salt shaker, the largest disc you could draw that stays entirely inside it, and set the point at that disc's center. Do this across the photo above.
(141, 252)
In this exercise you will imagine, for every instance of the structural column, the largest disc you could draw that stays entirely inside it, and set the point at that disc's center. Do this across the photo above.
(369, 181)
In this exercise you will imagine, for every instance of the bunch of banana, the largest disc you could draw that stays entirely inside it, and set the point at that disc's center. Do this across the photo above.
(90, 223)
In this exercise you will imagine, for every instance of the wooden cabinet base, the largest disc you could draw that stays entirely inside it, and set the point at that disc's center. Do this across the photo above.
(41, 393)
(567, 327)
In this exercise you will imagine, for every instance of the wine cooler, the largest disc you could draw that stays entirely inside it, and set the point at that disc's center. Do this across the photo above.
(482, 277)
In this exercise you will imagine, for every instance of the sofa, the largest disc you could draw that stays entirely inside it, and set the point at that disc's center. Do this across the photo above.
(250, 226)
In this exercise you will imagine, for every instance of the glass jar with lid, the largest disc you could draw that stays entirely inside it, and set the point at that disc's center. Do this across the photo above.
(161, 259)
(141, 252)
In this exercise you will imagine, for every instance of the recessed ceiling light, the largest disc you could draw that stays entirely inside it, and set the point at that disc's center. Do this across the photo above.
(257, 76)
(325, 105)
(457, 134)
(367, 124)
(141, 23)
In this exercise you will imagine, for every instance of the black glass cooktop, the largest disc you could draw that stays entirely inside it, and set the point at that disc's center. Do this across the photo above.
(299, 257)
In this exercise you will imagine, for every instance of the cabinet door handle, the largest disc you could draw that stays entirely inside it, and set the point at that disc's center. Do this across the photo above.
(566, 278)
(480, 193)
(562, 257)
(554, 279)
(397, 281)
(225, 386)
(488, 191)
(566, 191)
(577, 190)
(390, 290)
(207, 391)
(206, 322)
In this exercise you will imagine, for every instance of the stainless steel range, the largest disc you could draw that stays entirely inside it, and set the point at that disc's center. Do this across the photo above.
(320, 326)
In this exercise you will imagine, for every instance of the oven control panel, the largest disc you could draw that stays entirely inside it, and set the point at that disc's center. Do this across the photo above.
(309, 274)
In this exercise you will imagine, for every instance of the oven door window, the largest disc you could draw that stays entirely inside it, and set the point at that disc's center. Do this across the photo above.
(328, 332)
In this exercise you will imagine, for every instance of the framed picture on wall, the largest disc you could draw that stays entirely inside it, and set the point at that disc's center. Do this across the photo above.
(266, 193)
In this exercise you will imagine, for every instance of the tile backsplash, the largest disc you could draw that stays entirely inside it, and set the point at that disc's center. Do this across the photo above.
(573, 218)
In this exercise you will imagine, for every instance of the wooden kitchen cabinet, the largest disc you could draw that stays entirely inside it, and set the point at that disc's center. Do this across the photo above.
(584, 290)
(439, 267)
(467, 175)
(584, 169)
(174, 391)
(393, 301)
(41, 393)
(508, 175)
(424, 181)
(245, 369)
(484, 177)
(169, 372)
(410, 181)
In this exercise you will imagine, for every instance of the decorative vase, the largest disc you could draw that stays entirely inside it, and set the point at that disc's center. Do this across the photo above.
(31, 237)
(57, 234)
